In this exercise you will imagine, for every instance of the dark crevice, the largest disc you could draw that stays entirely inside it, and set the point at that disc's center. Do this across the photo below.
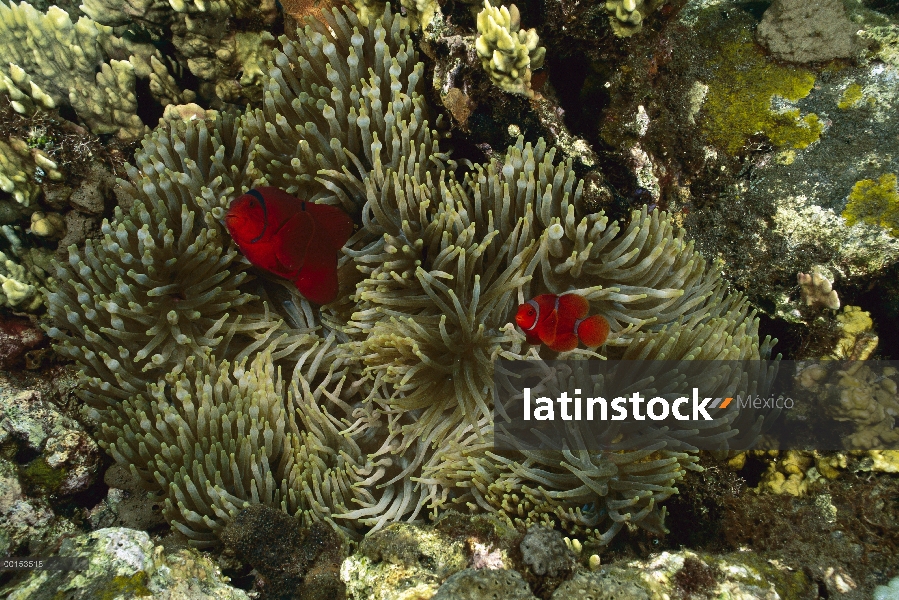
(568, 76)
(753, 470)
(68, 113)
(148, 109)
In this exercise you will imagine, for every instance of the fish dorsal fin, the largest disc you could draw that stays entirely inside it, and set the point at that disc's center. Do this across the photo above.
(574, 306)
(293, 239)
(336, 225)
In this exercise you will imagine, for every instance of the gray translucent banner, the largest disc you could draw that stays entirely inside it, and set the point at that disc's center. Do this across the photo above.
(50, 563)
(696, 405)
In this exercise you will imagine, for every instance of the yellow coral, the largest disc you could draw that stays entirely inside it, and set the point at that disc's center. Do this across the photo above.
(857, 339)
(831, 465)
(886, 461)
(50, 225)
(792, 475)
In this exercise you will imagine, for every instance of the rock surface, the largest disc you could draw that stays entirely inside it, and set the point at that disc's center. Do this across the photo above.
(804, 32)
(124, 563)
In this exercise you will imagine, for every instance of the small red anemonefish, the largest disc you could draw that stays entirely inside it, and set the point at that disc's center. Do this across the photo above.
(561, 322)
(291, 238)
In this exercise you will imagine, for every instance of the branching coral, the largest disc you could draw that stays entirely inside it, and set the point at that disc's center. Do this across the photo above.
(391, 412)
(627, 16)
(817, 288)
(51, 60)
(18, 171)
(18, 287)
(507, 53)
(208, 38)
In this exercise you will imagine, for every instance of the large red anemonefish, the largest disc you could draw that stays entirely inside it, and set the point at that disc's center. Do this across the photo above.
(291, 238)
(561, 322)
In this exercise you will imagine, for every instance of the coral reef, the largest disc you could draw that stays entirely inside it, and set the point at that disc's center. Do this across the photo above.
(817, 288)
(18, 287)
(890, 591)
(793, 473)
(857, 337)
(21, 169)
(824, 531)
(53, 61)
(240, 415)
(471, 584)
(126, 563)
(796, 31)
(508, 53)
(127, 504)
(754, 156)
(668, 573)
(20, 339)
(27, 523)
(223, 44)
(739, 101)
(291, 561)
(545, 552)
(402, 559)
(64, 459)
(586, 584)
(390, 408)
(886, 38)
(885, 461)
(868, 399)
(420, 12)
(627, 16)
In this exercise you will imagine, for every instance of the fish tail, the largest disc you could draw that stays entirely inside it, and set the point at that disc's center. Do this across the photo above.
(592, 331)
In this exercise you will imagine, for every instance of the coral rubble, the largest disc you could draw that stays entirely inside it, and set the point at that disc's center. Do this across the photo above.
(124, 563)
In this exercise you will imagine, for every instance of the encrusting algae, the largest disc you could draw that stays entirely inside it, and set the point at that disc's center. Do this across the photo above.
(875, 203)
(743, 88)
(186, 354)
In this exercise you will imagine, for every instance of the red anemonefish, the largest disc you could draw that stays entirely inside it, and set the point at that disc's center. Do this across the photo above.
(291, 238)
(561, 322)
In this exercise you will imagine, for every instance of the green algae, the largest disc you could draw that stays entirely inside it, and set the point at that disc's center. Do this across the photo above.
(38, 474)
(851, 95)
(742, 86)
(126, 586)
(875, 203)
